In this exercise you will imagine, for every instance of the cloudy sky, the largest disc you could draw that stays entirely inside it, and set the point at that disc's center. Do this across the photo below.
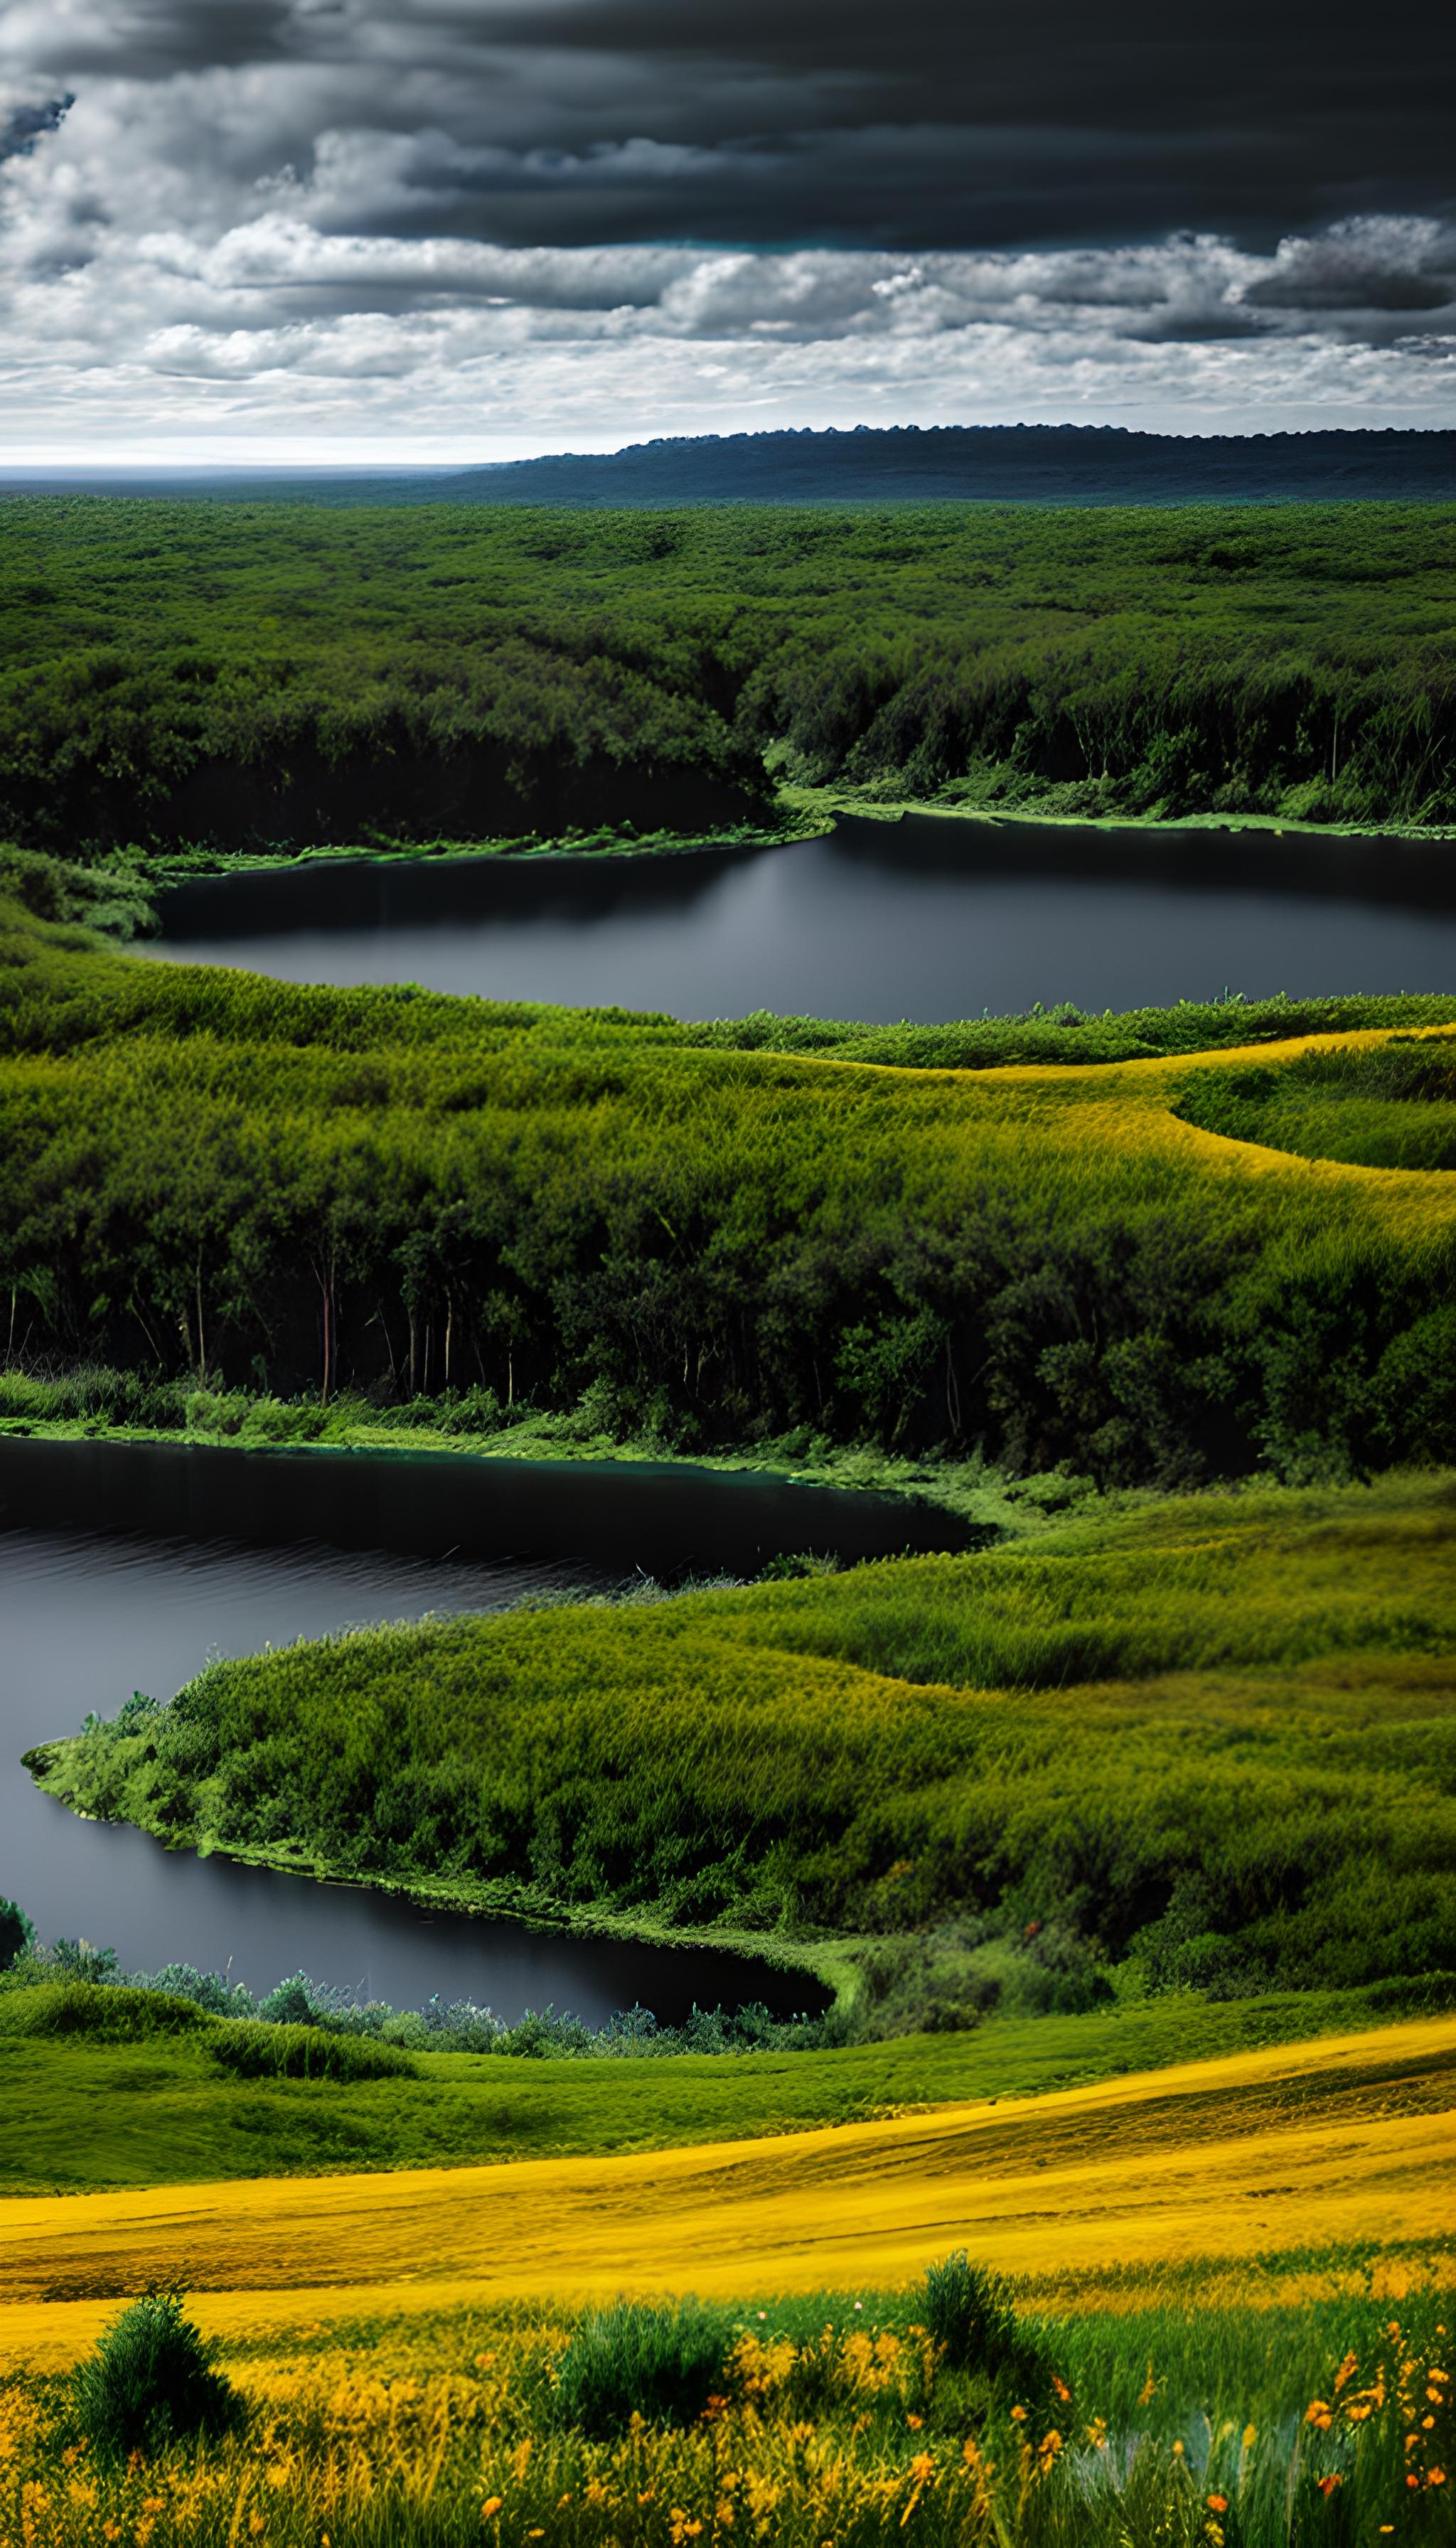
(434, 229)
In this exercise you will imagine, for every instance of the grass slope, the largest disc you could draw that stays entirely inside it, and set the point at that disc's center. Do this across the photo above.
(1207, 1744)
(130, 2099)
(1345, 2140)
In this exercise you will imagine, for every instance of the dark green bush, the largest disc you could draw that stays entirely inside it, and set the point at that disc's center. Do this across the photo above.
(151, 2381)
(256, 2050)
(17, 1935)
(968, 2311)
(633, 2359)
(114, 898)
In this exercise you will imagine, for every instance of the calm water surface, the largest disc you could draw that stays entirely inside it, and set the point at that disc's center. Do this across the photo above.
(924, 918)
(89, 1619)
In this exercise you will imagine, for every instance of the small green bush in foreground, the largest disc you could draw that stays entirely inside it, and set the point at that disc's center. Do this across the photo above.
(662, 2364)
(264, 2051)
(151, 2381)
(968, 2315)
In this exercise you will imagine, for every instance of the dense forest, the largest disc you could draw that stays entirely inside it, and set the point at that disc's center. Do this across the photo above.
(252, 673)
(703, 1238)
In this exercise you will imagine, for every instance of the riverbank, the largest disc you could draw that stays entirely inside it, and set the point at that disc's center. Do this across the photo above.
(801, 814)
(989, 1502)
(430, 1494)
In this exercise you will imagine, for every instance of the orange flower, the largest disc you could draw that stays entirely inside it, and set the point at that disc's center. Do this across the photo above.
(1327, 2485)
(1437, 2476)
(491, 2506)
(1218, 2503)
(1018, 2414)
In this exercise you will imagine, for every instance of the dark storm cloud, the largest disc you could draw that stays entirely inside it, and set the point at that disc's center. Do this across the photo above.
(25, 125)
(793, 123)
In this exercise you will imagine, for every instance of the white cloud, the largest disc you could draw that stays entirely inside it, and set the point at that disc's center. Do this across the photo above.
(245, 256)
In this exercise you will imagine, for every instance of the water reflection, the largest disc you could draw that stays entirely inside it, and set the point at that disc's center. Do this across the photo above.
(924, 920)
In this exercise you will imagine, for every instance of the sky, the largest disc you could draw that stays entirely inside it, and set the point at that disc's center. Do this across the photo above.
(363, 231)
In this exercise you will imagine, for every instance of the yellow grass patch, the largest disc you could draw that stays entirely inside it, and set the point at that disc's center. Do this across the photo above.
(1346, 2139)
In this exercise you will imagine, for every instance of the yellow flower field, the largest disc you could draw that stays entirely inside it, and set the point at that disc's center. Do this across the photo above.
(1345, 2140)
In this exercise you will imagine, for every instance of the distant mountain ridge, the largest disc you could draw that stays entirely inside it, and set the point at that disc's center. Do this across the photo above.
(1003, 464)
(989, 463)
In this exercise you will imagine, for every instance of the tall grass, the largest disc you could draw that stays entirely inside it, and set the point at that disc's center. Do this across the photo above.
(832, 2421)
(1394, 1107)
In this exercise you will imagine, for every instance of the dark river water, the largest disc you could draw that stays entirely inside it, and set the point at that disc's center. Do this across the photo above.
(89, 1619)
(925, 919)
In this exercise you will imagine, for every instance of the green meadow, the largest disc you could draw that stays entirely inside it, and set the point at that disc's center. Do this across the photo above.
(111, 2087)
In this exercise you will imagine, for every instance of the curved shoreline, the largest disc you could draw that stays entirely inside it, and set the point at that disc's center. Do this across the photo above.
(828, 1961)
(804, 814)
(433, 1502)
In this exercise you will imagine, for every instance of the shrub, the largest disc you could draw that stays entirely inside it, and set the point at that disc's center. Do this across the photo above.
(633, 2359)
(16, 1937)
(151, 2381)
(260, 2050)
(95, 2009)
(968, 2311)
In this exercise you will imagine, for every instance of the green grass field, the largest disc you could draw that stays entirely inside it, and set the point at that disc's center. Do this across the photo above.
(106, 2088)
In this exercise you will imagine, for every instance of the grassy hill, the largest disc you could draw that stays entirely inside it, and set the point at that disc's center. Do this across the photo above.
(1233, 2307)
